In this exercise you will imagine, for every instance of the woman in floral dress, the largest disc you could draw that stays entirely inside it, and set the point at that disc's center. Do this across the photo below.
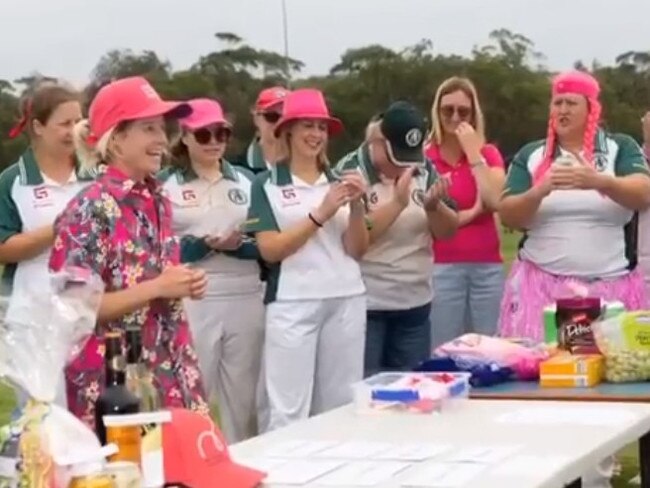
(120, 228)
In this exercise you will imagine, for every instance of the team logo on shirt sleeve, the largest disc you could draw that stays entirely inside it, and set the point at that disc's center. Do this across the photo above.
(237, 196)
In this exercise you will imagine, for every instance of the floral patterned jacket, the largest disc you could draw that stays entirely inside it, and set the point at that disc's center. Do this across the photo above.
(121, 230)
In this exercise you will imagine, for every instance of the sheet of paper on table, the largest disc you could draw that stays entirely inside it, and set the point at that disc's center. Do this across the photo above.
(300, 471)
(298, 448)
(574, 415)
(362, 473)
(483, 454)
(435, 475)
(355, 450)
(416, 451)
(262, 463)
(522, 465)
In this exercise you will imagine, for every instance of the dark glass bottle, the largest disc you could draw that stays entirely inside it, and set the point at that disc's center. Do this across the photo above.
(116, 399)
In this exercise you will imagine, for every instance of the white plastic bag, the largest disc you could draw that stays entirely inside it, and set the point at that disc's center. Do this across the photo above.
(624, 340)
(36, 343)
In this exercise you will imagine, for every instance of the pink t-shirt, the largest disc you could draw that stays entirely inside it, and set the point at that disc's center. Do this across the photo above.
(478, 241)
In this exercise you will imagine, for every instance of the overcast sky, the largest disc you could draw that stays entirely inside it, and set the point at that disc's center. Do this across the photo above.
(66, 37)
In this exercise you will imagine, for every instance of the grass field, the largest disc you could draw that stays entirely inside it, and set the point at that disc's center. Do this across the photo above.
(628, 457)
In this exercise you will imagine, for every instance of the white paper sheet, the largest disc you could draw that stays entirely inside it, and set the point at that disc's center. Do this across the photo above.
(298, 448)
(522, 465)
(413, 451)
(488, 454)
(596, 416)
(434, 475)
(300, 471)
(355, 450)
(262, 463)
(362, 473)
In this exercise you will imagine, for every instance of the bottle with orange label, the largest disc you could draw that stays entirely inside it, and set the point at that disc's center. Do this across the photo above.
(116, 399)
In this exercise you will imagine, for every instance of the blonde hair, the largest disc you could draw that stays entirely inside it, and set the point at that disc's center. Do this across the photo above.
(284, 145)
(88, 155)
(452, 85)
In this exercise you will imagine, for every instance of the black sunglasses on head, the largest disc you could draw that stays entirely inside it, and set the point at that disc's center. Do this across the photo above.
(204, 135)
(271, 117)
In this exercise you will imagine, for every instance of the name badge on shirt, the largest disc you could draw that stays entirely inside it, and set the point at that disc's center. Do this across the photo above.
(289, 197)
(42, 197)
(189, 198)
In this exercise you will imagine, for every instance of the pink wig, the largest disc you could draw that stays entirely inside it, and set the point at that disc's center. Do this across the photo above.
(580, 83)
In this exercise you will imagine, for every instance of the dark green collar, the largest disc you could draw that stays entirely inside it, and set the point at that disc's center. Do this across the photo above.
(30, 173)
(255, 156)
(186, 174)
(600, 144)
(365, 164)
(281, 174)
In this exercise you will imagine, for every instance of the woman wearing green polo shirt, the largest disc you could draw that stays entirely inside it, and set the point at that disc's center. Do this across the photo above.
(262, 152)
(310, 227)
(210, 199)
(33, 191)
(575, 195)
(407, 209)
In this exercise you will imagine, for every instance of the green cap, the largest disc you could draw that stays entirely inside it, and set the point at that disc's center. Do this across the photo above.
(403, 126)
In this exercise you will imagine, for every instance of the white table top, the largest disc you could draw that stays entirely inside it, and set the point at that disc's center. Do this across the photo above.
(474, 423)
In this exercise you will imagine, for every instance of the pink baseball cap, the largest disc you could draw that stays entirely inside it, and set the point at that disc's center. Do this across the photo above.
(270, 97)
(205, 112)
(307, 103)
(196, 454)
(127, 99)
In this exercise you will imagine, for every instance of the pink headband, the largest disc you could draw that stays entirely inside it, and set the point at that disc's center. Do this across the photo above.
(576, 82)
(580, 83)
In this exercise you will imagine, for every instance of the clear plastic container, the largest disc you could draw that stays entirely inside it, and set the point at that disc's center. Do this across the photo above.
(410, 392)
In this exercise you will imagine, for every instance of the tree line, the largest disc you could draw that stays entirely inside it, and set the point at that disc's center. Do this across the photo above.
(510, 74)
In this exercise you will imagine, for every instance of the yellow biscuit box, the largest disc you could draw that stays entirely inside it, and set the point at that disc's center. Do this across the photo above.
(572, 371)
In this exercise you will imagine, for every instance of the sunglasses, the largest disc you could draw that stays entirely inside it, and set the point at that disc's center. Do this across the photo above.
(204, 136)
(447, 111)
(271, 117)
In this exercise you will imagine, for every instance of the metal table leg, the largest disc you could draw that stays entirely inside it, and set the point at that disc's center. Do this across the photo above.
(644, 460)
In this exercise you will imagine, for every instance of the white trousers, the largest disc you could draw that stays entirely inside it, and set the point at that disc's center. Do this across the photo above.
(228, 337)
(313, 354)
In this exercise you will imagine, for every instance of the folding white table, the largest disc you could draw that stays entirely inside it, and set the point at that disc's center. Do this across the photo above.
(607, 428)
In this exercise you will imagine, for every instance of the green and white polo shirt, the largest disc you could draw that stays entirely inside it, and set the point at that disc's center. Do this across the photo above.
(321, 268)
(29, 200)
(397, 268)
(580, 232)
(208, 208)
